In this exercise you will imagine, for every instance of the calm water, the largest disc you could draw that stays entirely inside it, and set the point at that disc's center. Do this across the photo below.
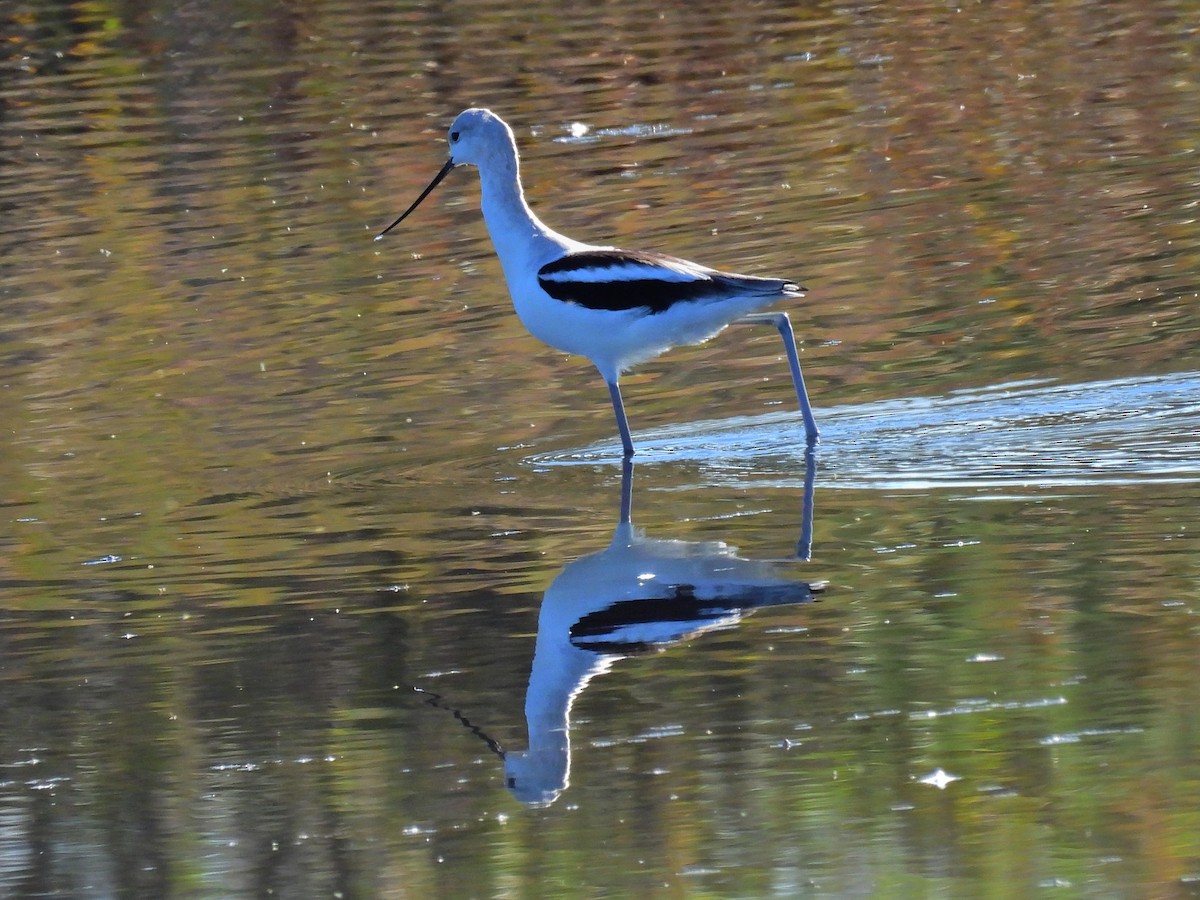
(301, 532)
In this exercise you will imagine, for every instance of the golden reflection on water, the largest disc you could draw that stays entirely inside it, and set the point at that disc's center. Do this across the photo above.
(260, 475)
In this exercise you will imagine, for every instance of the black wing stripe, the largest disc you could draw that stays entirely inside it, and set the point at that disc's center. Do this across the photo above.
(638, 289)
(615, 280)
(601, 260)
(656, 296)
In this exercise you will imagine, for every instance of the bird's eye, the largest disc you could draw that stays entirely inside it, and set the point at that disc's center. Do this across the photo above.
(454, 137)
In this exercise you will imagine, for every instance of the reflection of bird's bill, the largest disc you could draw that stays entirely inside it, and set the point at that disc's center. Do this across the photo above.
(438, 702)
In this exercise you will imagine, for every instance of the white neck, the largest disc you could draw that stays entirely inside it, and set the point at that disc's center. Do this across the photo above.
(521, 239)
(560, 671)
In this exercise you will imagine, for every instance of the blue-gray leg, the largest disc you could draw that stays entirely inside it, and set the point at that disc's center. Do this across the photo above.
(622, 423)
(784, 325)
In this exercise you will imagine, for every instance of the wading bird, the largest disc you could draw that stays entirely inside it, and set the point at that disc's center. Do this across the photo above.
(616, 307)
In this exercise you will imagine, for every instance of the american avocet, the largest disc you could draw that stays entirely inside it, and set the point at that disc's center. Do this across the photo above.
(616, 307)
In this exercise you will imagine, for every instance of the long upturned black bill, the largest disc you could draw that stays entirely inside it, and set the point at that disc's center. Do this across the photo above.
(437, 179)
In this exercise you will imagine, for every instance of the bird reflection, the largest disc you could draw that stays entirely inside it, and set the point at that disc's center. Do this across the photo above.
(637, 594)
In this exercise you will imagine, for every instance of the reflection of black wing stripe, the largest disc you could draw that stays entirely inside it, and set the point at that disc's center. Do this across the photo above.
(678, 604)
(678, 612)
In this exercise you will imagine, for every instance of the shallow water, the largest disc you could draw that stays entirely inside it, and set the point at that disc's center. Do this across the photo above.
(297, 527)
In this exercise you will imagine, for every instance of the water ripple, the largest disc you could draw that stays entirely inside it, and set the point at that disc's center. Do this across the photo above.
(1032, 433)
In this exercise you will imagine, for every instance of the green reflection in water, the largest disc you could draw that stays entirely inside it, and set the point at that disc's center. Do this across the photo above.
(251, 492)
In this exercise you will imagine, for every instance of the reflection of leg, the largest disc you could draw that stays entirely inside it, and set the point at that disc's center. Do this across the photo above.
(627, 491)
(622, 423)
(804, 545)
(781, 321)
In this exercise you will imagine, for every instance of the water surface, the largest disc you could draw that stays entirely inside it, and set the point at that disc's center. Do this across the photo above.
(298, 527)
